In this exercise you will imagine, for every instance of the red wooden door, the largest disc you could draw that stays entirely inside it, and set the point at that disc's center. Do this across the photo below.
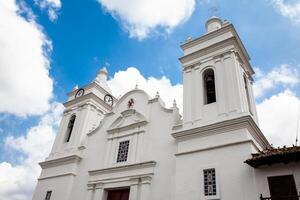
(118, 194)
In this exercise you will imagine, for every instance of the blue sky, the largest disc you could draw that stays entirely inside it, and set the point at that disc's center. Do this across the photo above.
(51, 45)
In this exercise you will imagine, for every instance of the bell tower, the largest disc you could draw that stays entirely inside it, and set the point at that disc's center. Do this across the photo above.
(217, 76)
(84, 110)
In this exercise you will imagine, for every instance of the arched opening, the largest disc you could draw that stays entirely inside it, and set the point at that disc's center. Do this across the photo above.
(70, 128)
(209, 86)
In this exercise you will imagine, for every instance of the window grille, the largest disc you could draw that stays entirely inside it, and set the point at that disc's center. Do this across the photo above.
(123, 151)
(210, 186)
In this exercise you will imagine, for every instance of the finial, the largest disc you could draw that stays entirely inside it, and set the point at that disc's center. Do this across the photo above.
(103, 70)
(101, 79)
(136, 86)
(75, 88)
(189, 39)
(174, 103)
(157, 94)
(102, 75)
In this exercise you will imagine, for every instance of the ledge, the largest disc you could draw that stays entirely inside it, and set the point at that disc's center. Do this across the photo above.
(87, 97)
(56, 176)
(60, 161)
(216, 147)
(231, 124)
(127, 127)
(123, 168)
(208, 36)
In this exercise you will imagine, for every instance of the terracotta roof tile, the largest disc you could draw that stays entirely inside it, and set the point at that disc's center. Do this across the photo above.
(275, 155)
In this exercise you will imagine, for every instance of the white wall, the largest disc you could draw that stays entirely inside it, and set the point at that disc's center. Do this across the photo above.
(234, 178)
(263, 172)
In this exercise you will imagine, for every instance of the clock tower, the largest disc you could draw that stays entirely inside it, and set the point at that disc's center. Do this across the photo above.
(84, 110)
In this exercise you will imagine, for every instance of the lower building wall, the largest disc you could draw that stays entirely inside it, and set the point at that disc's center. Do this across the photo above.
(263, 172)
(61, 188)
(235, 179)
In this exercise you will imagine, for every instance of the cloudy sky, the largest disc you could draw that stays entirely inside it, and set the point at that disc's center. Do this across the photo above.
(49, 46)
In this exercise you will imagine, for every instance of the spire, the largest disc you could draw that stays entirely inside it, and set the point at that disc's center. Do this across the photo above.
(101, 79)
(102, 75)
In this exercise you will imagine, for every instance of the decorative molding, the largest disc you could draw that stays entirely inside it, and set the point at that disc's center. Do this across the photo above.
(93, 186)
(146, 180)
(134, 118)
(134, 181)
(122, 168)
(214, 34)
(128, 127)
(86, 97)
(177, 127)
(227, 125)
(90, 86)
(60, 161)
(212, 48)
(218, 146)
(60, 175)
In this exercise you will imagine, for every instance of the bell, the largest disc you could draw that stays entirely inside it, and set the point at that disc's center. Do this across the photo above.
(209, 79)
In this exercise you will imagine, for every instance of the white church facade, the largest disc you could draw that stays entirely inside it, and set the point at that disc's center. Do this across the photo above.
(134, 148)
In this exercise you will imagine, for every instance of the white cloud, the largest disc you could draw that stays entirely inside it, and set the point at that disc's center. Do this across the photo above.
(124, 81)
(52, 7)
(25, 85)
(284, 75)
(18, 181)
(143, 17)
(290, 10)
(278, 118)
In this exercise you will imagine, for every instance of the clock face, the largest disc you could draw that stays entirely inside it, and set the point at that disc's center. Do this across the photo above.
(109, 99)
(79, 93)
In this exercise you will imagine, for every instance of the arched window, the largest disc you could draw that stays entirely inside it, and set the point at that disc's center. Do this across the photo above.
(209, 86)
(70, 128)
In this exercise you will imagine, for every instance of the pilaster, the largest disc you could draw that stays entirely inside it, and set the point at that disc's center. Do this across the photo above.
(99, 191)
(221, 96)
(134, 184)
(145, 188)
(90, 191)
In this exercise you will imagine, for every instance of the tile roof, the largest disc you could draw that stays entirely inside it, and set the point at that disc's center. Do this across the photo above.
(275, 155)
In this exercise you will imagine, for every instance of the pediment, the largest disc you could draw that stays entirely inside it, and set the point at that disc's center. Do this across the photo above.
(129, 119)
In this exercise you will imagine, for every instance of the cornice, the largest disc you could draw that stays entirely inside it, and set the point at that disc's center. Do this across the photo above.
(91, 85)
(127, 127)
(231, 124)
(122, 168)
(60, 175)
(218, 146)
(214, 34)
(212, 48)
(60, 161)
(87, 97)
